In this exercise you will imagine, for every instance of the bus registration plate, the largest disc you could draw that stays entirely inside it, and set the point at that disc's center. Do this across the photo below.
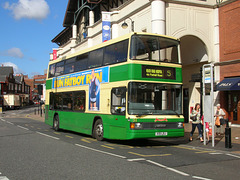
(161, 133)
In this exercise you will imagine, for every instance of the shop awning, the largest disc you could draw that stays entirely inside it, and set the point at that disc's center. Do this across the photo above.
(229, 84)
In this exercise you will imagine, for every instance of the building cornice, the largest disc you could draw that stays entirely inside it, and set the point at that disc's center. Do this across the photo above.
(226, 3)
(223, 63)
(191, 4)
(131, 13)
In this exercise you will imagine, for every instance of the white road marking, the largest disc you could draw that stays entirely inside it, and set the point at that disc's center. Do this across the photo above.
(233, 155)
(202, 178)
(100, 151)
(22, 127)
(215, 153)
(168, 168)
(47, 135)
(3, 178)
(9, 122)
(3, 120)
(139, 159)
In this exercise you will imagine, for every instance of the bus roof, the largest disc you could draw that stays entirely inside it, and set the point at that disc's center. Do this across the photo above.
(112, 41)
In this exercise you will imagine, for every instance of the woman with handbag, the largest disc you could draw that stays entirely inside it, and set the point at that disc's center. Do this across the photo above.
(218, 116)
(195, 119)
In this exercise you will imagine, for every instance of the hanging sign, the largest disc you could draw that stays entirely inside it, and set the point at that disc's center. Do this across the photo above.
(54, 54)
(106, 26)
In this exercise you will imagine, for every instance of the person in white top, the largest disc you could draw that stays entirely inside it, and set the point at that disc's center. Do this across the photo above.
(219, 113)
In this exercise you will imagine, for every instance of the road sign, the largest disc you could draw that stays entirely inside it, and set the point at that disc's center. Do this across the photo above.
(208, 99)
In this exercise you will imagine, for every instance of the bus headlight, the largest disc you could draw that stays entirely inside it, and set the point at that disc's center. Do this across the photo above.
(180, 125)
(136, 125)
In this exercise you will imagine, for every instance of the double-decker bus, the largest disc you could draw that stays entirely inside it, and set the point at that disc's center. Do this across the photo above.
(126, 88)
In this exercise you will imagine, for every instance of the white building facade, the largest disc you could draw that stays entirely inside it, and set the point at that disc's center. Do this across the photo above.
(194, 22)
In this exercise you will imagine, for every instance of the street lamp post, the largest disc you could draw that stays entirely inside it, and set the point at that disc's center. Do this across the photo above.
(125, 25)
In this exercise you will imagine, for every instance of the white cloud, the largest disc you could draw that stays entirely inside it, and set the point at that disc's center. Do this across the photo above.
(15, 52)
(16, 69)
(30, 9)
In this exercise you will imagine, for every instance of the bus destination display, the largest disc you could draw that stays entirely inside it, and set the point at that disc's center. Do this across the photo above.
(158, 72)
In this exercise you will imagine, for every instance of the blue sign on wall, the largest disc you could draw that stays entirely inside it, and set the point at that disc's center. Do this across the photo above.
(106, 26)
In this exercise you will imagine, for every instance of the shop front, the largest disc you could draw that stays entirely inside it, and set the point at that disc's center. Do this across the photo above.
(230, 93)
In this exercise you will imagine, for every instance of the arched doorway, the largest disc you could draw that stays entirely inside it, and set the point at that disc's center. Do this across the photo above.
(193, 54)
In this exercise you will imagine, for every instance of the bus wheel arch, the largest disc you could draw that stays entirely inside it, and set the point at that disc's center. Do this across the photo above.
(98, 129)
(56, 122)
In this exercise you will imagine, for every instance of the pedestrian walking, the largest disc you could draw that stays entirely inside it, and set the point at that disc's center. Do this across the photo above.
(195, 119)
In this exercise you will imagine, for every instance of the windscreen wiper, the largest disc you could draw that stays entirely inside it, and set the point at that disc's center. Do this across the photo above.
(176, 113)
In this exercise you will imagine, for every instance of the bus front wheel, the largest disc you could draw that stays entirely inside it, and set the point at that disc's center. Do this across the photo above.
(56, 123)
(98, 130)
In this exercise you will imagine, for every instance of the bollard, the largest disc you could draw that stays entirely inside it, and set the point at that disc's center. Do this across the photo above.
(38, 110)
(228, 142)
(41, 112)
(35, 111)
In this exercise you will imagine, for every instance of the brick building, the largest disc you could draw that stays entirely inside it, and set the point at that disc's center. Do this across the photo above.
(13, 88)
(34, 83)
(29, 82)
(229, 87)
(39, 85)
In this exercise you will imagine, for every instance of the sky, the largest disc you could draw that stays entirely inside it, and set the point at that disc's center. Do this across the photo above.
(27, 28)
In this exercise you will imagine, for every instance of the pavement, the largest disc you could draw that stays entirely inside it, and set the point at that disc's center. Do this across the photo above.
(219, 140)
(219, 143)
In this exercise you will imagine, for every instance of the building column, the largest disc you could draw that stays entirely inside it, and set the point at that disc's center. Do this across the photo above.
(115, 25)
(114, 31)
(216, 56)
(216, 43)
(91, 22)
(74, 31)
(91, 18)
(158, 8)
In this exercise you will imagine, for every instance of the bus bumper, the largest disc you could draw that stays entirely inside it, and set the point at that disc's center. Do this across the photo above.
(138, 134)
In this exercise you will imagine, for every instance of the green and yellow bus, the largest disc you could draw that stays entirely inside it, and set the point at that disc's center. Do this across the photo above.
(126, 88)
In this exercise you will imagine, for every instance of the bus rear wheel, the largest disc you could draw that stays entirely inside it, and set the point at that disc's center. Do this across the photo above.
(56, 123)
(98, 130)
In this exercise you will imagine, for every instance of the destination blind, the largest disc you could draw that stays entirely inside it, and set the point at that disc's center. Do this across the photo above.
(158, 72)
